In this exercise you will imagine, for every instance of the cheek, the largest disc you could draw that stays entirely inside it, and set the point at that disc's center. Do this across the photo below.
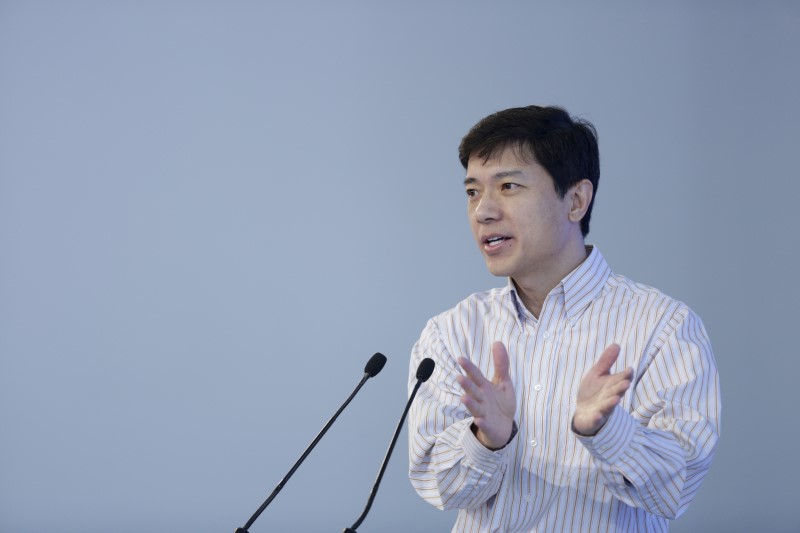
(542, 226)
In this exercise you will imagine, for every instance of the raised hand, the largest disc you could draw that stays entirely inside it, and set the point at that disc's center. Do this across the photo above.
(599, 392)
(491, 403)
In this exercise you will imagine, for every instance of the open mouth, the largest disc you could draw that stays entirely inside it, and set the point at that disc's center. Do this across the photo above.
(494, 241)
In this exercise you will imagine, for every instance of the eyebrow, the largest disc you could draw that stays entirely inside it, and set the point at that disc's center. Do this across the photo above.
(499, 175)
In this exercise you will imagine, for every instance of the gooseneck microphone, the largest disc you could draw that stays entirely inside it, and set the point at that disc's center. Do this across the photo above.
(424, 371)
(372, 368)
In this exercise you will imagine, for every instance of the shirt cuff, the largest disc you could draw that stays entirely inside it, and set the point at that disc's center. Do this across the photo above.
(478, 454)
(613, 438)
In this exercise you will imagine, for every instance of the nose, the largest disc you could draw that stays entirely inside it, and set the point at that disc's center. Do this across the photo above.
(487, 210)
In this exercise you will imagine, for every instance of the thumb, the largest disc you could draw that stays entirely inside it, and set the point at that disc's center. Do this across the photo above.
(501, 363)
(607, 359)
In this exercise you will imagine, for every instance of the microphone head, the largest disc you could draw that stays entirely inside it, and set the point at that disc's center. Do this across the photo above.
(425, 369)
(375, 364)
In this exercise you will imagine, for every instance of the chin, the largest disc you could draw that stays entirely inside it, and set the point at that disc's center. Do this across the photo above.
(498, 270)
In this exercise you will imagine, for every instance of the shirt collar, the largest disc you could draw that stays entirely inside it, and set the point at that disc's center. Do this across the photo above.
(579, 287)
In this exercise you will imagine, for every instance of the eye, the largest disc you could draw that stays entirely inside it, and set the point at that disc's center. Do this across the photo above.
(509, 186)
(472, 193)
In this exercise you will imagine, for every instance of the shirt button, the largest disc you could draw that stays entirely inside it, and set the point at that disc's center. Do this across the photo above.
(537, 387)
(546, 335)
(534, 444)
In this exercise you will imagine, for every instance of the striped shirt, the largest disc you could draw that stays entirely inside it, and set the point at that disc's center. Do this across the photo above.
(645, 464)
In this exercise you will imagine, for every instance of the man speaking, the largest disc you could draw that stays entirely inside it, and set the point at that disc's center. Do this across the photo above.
(572, 398)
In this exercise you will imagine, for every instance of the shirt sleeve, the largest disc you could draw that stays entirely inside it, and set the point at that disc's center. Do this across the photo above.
(448, 466)
(655, 454)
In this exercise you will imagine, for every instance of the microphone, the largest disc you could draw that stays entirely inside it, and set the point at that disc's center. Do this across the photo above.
(372, 368)
(424, 371)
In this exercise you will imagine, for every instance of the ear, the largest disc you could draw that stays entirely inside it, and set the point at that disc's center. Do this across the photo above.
(580, 196)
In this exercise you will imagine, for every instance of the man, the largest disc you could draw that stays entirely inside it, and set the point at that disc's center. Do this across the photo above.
(572, 399)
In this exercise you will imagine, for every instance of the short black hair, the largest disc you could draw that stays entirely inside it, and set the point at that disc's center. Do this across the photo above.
(566, 147)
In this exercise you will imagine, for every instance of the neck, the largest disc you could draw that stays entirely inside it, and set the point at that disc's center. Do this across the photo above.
(534, 289)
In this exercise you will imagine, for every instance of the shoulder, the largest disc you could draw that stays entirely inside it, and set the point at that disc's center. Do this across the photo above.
(652, 310)
(624, 290)
(459, 325)
(475, 307)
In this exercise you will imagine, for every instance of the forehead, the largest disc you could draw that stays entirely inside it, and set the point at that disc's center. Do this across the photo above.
(513, 152)
(502, 162)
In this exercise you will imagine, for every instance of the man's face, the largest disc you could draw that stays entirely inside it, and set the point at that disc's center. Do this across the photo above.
(521, 225)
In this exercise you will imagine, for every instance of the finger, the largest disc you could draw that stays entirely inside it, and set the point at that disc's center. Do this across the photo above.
(501, 363)
(472, 406)
(625, 374)
(621, 387)
(472, 371)
(606, 360)
(614, 390)
(470, 389)
(613, 379)
(608, 405)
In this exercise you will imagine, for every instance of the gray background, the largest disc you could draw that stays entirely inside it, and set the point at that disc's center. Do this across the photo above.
(213, 213)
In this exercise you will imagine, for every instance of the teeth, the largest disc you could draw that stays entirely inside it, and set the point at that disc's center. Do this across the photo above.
(495, 240)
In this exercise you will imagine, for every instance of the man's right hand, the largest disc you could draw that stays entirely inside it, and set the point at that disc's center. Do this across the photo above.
(491, 403)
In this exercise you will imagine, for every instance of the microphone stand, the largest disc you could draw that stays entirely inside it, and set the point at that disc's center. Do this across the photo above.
(374, 365)
(424, 371)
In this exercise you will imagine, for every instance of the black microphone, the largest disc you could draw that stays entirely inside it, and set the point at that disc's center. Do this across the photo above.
(424, 371)
(373, 366)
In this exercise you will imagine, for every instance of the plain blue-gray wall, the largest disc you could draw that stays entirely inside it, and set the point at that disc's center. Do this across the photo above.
(213, 213)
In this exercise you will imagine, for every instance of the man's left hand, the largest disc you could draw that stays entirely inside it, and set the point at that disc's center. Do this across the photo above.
(599, 392)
